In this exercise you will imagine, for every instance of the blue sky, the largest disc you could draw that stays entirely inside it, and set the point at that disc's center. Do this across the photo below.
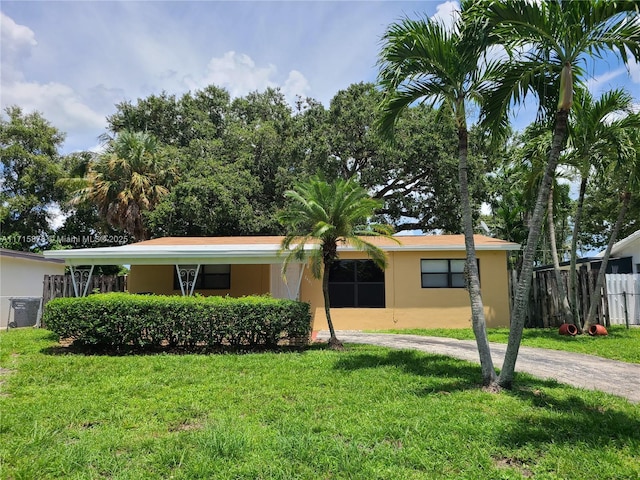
(73, 61)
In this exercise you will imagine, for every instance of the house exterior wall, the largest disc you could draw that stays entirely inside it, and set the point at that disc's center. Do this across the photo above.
(408, 305)
(23, 277)
(631, 250)
(245, 280)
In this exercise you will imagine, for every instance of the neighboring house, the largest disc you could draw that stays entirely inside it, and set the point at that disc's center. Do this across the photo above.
(623, 281)
(614, 265)
(622, 278)
(627, 254)
(21, 275)
(422, 287)
(624, 258)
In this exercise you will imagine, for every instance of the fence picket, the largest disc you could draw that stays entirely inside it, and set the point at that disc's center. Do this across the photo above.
(55, 286)
(545, 305)
(630, 285)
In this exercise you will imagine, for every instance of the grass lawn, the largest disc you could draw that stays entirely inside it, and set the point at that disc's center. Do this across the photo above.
(620, 344)
(367, 412)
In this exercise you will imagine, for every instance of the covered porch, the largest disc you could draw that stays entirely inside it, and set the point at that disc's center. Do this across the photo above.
(183, 266)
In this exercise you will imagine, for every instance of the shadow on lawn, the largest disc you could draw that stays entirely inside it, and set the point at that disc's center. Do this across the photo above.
(556, 417)
(65, 348)
(447, 374)
(567, 420)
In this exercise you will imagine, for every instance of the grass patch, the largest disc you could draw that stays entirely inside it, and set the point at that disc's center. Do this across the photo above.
(621, 343)
(367, 412)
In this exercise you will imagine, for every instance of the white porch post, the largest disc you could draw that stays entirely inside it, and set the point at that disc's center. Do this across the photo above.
(289, 286)
(187, 277)
(88, 280)
(73, 280)
(81, 280)
(302, 267)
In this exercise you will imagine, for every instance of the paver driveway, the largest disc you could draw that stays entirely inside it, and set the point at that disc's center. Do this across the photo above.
(577, 369)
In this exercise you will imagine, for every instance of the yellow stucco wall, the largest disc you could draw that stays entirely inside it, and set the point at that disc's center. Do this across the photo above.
(245, 280)
(408, 305)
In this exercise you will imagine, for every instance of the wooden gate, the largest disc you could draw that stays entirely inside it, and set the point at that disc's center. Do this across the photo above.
(55, 286)
(545, 303)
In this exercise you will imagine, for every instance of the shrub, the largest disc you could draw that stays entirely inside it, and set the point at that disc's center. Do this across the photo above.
(122, 319)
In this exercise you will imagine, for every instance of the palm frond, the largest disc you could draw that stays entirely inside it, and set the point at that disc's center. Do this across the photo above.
(325, 214)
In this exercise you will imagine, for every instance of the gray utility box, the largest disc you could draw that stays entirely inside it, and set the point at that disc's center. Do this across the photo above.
(26, 311)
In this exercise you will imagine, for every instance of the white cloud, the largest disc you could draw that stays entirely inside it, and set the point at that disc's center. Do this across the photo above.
(296, 84)
(55, 216)
(58, 103)
(239, 74)
(16, 35)
(634, 71)
(17, 42)
(602, 82)
(447, 13)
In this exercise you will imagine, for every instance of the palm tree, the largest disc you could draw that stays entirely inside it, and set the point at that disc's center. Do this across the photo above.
(626, 170)
(596, 133)
(424, 60)
(325, 215)
(131, 177)
(551, 40)
(537, 138)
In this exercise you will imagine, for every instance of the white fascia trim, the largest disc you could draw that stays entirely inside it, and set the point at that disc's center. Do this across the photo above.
(163, 255)
(219, 254)
(437, 248)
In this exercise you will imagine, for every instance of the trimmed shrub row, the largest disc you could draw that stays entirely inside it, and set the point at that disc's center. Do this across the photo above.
(141, 321)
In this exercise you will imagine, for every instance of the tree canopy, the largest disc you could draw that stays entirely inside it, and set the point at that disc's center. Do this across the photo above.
(31, 165)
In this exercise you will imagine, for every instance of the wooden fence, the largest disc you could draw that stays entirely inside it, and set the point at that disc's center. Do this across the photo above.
(545, 303)
(55, 286)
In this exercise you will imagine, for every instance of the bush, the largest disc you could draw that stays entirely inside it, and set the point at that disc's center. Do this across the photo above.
(127, 320)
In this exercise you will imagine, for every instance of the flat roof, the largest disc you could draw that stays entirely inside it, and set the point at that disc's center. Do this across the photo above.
(4, 252)
(249, 250)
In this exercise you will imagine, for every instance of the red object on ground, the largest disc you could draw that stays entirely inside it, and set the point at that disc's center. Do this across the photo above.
(595, 330)
(568, 329)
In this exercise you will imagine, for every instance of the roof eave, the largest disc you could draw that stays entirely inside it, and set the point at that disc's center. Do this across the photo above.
(256, 254)
(173, 259)
(438, 248)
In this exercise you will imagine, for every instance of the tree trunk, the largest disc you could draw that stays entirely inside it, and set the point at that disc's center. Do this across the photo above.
(567, 317)
(489, 377)
(573, 273)
(597, 293)
(535, 226)
(334, 343)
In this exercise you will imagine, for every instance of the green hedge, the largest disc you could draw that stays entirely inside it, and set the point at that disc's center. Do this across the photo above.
(127, 320)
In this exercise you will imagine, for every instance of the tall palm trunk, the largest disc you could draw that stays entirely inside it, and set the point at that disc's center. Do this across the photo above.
(573, 273)
(597, 293)
(334, 343)
(489, 377)
(567, 317)
(535, 226)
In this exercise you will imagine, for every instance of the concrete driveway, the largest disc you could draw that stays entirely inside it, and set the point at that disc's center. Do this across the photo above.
(576, 369)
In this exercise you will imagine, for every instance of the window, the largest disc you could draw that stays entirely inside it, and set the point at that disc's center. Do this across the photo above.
(356, 283)
(210, 277)
(443, 273)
